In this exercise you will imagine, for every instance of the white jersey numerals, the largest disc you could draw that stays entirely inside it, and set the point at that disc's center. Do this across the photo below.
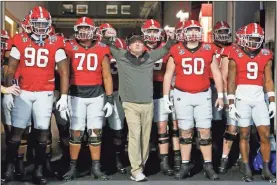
(158, 65)
(113, 66)
(91, 57)
(193, 66)
(252, 70)
(36, 57)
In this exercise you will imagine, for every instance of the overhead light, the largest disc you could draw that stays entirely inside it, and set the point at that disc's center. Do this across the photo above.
(9, 20)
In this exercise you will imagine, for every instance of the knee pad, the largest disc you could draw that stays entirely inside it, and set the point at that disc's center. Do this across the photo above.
(75, 140)
(164, 138)
(95, 141)
(185, 141)
(204, 142)
(174, 133)
(23, 142)
(229, 137)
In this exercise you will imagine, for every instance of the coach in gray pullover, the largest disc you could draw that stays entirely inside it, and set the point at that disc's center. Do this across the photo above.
(135, 71)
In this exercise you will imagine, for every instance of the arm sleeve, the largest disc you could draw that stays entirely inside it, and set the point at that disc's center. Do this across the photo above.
(60, 55)
(15, 53)
(161, 52)
(116, 52)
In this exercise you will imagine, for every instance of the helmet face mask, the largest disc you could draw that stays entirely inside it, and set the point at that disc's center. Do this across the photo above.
(4, 44)
(222, 35)
(40, 26)
(84, 32)
(180, 35)
(152, 34)
(193, 34)
(253, 42)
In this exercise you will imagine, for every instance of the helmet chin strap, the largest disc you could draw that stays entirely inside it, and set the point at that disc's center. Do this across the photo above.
(39, 39)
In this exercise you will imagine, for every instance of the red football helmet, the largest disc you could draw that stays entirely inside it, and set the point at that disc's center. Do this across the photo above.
(239, 36)
(222, 32)
(120, 43)
(4, 37)
(40, 21)
(179, 31)
(106, 28)
(253, 36)
(152, 31)
(25, 24)
(84, 28)
(190, 34)
(52, 31)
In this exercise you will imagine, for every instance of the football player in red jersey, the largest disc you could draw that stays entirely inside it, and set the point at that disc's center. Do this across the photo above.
(35, 55)
(230, 134)
(191, 61)
(116, 120)
(19, 166)
(152, 33)
(250, 74)
(90, 67)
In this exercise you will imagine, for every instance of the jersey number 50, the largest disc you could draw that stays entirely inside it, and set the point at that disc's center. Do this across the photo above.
(196, 66)
(90, 56)
(39, 57)
(252, 70)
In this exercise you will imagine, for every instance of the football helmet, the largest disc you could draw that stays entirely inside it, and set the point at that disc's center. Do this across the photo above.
(253, 36)
(40, 21)
(179, 31)
(4, 37)
(25, 24)
(52, 31)
(84, 29)
(190, 34)
(152, 31)
(222, 32)
(239, 36)
(106, 28)
(120, 43)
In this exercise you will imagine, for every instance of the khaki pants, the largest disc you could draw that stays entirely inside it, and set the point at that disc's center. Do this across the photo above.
(139, 119)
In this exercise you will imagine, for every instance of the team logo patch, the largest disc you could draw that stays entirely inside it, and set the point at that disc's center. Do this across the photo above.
(240, 55)
(52, 38)
(24, 39)
(182, 51)
(265, 52)
(207, 47)
(75, 47)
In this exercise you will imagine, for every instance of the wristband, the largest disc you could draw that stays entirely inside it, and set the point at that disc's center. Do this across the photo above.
(231, 97)
(110, 99)
(220, 95)
(3, 90)
(270, 94)
(166, 97)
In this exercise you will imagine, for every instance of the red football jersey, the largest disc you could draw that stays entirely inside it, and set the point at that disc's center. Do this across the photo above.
(227, 50)
(160, 67)
(250, 70)
(37, 63)
(192, 68)
(86, 64)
